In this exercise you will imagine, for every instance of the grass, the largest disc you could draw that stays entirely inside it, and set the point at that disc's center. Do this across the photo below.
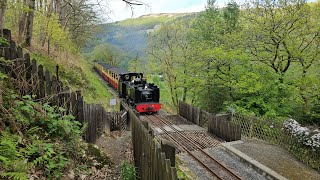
(182, 171)
(78, 75)
(146, 21)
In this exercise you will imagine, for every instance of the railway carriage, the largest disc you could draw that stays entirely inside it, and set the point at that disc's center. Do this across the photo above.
(139, 94)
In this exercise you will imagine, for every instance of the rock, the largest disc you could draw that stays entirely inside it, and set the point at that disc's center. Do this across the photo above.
(82, 176)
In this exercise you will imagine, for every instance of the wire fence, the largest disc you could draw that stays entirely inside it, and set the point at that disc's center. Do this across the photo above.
(272, 131)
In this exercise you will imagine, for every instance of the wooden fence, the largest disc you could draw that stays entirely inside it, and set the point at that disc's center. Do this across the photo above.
(218, 125)
(99, 121)
(32, 79)
(193, 114)
(154, 160)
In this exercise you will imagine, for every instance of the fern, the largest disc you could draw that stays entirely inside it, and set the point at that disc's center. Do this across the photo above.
(15, 175)
(37, 137)
(8, 145)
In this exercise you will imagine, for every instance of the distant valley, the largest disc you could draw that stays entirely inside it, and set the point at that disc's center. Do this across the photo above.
(130, 36)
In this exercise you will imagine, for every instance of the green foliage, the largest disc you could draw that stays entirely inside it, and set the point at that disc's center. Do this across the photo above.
(48, 26)
(107, 53)
(128, 171)
(37, 136)
(146, 22)
(263, 60)
(3, 41)
(2, 76)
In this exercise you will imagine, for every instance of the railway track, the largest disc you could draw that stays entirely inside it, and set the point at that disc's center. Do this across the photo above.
(192, 147)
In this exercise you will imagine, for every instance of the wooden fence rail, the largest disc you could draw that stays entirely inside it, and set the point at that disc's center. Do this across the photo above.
(219, 125)
(154, 160)
(32, 79)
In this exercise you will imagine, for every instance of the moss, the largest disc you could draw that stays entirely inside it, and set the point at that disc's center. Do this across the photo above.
(182, 171)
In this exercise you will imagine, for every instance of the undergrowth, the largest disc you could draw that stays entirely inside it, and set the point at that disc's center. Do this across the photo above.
(37, 140)
(128, 171)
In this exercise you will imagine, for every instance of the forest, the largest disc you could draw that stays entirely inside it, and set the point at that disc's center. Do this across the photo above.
(258, 58)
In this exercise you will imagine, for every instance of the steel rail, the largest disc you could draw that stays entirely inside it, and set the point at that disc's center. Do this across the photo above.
(181, 145)
(198, 148)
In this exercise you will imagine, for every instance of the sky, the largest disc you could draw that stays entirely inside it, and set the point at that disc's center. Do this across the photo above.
(118, 10)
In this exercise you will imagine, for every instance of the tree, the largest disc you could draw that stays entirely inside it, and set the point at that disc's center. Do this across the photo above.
(214, 38)
(169, 48)
(107, 53)
(3, 5)
(29, 24)
(284, 35)
(274, 35)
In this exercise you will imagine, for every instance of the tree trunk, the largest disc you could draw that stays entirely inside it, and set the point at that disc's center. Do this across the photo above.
(2, 13)
(30, 23)
(22, 23)
(302, 90)
(63, 14)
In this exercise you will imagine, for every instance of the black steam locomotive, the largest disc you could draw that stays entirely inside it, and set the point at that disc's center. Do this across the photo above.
(143, 96)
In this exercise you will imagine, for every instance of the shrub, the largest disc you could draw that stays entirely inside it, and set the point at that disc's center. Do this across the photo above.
(304, 135)
(128, 171)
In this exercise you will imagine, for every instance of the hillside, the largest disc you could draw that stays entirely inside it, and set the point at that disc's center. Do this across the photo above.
(130, 35)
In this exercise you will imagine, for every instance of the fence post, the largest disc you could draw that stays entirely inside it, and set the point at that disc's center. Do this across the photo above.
(27, 65)
(80, 114)
(41, 92)
(54, 91)
(57, 72)
(73, 104)
(7, 36)
(48, 83)
(250, 129)
(106, 122)
(170, 151)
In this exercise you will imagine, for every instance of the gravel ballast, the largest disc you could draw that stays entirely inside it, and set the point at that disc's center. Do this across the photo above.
(219, 154)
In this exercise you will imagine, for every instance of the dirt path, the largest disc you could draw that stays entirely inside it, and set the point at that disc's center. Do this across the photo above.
(118, 147)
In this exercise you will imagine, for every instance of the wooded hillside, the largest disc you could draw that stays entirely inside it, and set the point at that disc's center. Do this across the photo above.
(262, 58)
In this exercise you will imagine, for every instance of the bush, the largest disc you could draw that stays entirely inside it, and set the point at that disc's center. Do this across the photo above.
(128, 171)
(304, 135)
(36, 138)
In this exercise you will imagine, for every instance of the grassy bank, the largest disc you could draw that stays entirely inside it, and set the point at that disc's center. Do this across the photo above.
(78, 75)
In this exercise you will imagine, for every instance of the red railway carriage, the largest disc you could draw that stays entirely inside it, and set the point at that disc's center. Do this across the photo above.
(142, 96)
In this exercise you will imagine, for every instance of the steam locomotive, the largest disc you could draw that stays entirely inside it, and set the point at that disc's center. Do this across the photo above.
(140, 95)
